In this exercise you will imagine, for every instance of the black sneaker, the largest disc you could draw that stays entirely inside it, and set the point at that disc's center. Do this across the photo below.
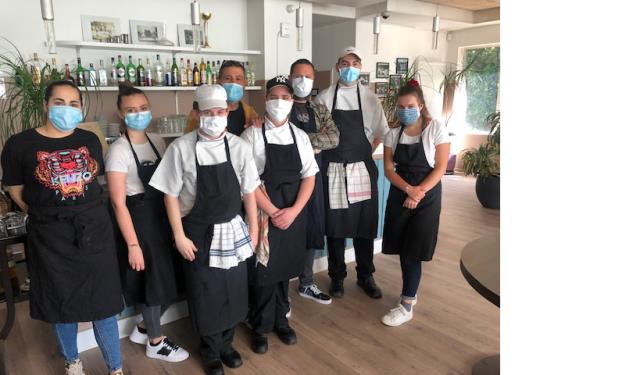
(337, 288)
(369, 286)
(313, 293)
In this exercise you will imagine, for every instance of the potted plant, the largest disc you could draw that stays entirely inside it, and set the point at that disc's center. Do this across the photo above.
(484, 164)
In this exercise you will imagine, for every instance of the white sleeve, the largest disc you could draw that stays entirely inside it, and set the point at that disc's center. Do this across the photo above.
(307, 156)
(247, 135)
(441, 133)
(249, 177)
(389, 139)
(380, 126)
(158, 142)
(118, 158)
(168, 177)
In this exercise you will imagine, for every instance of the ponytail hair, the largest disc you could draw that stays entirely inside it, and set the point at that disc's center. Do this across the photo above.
(126, 89)
(412, 87)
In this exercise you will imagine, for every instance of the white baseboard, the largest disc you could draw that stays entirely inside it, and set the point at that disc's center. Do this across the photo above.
(86, 339)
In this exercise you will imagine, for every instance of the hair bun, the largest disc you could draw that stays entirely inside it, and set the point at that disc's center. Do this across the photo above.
(125, 87)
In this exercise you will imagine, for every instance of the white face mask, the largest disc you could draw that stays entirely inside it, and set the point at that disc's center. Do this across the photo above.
(213, 125)
(278, 109)
(302, 86)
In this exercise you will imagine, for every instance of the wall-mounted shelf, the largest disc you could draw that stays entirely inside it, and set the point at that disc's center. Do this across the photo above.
(164, 88)
(153, 48)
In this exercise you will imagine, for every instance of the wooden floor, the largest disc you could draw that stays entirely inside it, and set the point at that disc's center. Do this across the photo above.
(453, 326)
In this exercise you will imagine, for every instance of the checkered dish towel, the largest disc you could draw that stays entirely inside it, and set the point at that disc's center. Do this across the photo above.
(358, 182)
(262, 249)
(230, 244)
(337, 189)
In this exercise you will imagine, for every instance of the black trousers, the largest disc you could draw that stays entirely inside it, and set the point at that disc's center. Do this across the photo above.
(211, 346)
(269, 306)
(364, 257)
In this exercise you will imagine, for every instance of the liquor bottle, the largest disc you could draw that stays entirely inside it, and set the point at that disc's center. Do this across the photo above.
(209, 73)
(183, 73)
(36, 70)
(92, 79)
(175, 73)
(158, 75)
(253, 75)
(215, 72)
(189, 73)
(102, 75)
(122, 73)
(67, 73)
(168, 79)
(196, 74)
(113, 73)
(202, 68)
(148, 74)
(140, 73)
(54, 69)
(80, 79)
(131, 72)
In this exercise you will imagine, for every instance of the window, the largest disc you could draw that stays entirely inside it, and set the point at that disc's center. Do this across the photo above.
(482, 85)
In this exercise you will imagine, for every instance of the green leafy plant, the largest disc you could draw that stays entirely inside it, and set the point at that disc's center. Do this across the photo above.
(484, 161)
(22, 106)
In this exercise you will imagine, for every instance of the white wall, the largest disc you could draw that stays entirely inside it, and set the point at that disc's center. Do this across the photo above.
(227, 29)
(329, 40)
(471, 37)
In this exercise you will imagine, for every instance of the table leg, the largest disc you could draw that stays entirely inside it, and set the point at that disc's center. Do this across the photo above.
(487, 366)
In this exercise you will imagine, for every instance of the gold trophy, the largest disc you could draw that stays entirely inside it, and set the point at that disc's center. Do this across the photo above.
(206, 16)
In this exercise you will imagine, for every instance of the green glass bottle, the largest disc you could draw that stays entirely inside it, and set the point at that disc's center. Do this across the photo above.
(175, 73)
(140, 74)
(80, 74)
(120, 70)
(209, 73)
(131, 71)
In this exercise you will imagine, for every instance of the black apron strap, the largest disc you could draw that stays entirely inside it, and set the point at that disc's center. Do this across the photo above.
(335, 97)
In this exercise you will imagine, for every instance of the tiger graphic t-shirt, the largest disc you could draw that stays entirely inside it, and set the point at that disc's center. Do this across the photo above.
(54, 171)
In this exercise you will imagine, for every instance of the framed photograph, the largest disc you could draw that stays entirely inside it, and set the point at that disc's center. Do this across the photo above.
(395, 80)
(99, 29)
(185, 35)
(364, 79)
(145, 32)
(382, 88)
(402, 65)
(382, 70)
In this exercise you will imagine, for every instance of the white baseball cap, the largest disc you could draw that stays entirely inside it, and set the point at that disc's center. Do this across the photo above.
(349, 51)
(211, 96)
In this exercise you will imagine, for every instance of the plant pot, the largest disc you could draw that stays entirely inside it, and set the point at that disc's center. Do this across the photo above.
(488, 191)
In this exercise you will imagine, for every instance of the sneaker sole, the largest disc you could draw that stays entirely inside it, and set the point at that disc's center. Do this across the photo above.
(322, 302)
(394, 324)
(167, 359)
(138, 339)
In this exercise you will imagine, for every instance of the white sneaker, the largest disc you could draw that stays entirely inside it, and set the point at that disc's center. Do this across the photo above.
(74, 368)
(167, 351)
(398, 315)
(288, 314)
(139, 335)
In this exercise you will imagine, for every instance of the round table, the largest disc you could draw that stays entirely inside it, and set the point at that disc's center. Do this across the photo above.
(480, 266)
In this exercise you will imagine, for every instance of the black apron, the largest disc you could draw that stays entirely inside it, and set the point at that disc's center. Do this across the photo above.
(315, 206)
(361, 218)
(287, 248)
(156, 285)
(412, 233)
(72, 263)
(218, 298)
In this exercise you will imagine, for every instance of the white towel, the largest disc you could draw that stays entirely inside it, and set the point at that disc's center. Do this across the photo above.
(337, 189)
(358, 182)
(230, 245)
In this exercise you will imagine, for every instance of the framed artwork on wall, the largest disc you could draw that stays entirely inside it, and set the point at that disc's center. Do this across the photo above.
(145, 32)
(402, 65)
(382, 88)
(382, 70)
(99, 29)
(395, 80)
(185, 35)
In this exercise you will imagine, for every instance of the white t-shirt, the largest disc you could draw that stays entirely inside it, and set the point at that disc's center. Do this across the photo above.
(176, 174)
(120, 159)
(281, 135)
(434, 134)
(375, 122)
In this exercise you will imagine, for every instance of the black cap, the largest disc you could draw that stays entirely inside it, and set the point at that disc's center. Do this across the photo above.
(279, 81)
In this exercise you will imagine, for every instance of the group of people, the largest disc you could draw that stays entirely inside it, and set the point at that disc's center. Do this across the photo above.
(226, 214)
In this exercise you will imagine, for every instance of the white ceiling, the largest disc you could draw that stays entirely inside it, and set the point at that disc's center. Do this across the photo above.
(320, 20)
(349, 3)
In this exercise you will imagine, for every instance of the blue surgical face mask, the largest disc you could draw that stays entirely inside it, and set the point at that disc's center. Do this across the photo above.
(349, 74)
(138, 120)
(234, 92)
(64, 118)
(408, 116)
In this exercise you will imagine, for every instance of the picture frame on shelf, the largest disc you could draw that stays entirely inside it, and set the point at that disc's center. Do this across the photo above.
(145, 32)
(382, 70)
(402, 65)
(99, 29)
(364, 79)
(395, 80)
(185, 35)
(382, 89)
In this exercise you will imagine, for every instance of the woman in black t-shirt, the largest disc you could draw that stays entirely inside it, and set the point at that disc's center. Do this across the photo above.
(51, 173)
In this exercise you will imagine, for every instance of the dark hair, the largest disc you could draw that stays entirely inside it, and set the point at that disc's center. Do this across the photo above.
(229, 64)
(125, 89)
(48, 91)
(301, 62)
(413, 88)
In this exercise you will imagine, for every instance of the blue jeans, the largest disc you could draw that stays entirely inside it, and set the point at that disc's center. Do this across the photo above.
(411, 273)
(107, 337)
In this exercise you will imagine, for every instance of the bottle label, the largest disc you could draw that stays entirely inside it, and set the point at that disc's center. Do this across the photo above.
(121, 74)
